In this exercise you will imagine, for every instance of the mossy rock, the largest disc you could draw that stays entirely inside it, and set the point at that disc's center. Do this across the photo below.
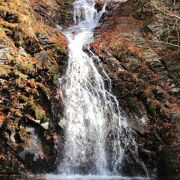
(60, 48)
(20, 82)
(4, 70)
(23, 98)
(64, 12)
(20, 78)
(23, 135)
(53, 71)
(40, 113)
(26, 67)
(19, 74)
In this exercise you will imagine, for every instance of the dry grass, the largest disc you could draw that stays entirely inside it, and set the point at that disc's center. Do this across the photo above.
(29, 23)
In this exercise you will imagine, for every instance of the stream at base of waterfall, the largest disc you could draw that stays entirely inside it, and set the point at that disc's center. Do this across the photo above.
(97, 136)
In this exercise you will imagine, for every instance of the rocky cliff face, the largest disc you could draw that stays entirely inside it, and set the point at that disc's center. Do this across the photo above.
(32, 53)
(140, 54)
(142, 60)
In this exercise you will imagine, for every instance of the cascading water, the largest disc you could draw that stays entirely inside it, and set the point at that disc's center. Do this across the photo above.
(96, 134)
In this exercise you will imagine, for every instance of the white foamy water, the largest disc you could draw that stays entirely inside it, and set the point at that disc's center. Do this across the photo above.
(93, 177)
(96, 134)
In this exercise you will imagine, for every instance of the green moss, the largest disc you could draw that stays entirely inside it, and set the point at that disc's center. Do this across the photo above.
(60, 48)
(20, 78)
(26, 67)
(115, 48)
(19, 82)
(4, 70)
(15, 103)
(24, 98)
(53, 71)
(63, 13)
(20, 75)
(40, 113)
(2, 28)
(55, 79)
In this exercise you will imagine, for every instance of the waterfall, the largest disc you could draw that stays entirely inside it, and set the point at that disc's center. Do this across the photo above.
(96, 133)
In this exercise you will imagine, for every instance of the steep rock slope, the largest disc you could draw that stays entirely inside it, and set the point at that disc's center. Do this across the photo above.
(138, 44)
(32, 53)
